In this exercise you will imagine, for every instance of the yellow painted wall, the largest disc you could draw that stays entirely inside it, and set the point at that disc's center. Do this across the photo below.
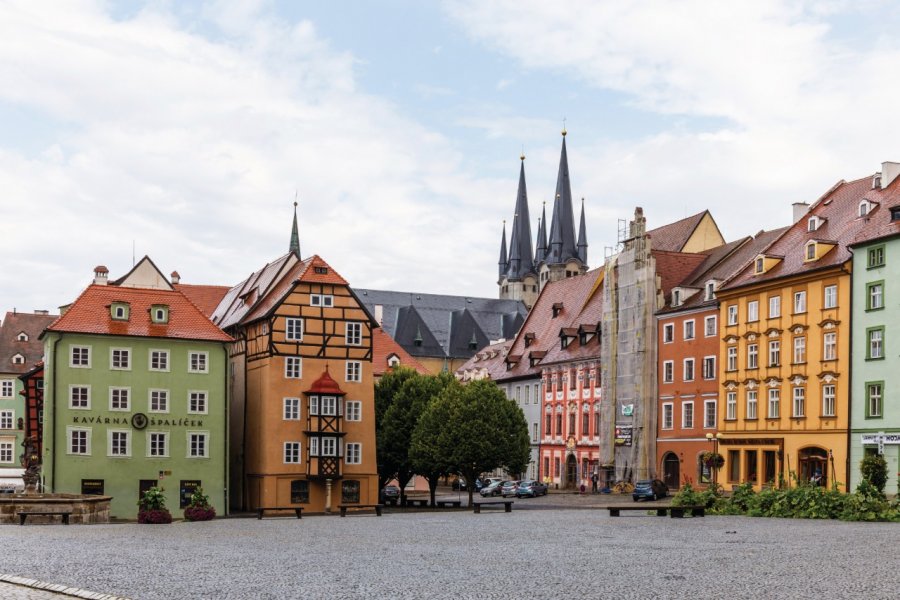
(705, 236)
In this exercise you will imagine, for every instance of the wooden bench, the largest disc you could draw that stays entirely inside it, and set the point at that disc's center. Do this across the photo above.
(45, 513)
(344, 508)
(297, 510)
(615, 510)
(507, 504)
(449, 503)
(677, 512)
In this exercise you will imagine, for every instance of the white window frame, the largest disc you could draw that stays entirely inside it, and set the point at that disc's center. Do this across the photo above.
(684, 370)
(7, 419)
(773, 405)
(70, 431)
(204, 394)
(353, 333)
(730, 406)
(798, 403)
(752, 356)
(353, 453)
(709, 368)
(354, 410)
(689, 325)
(314, 405)
(328, 406)
(799, 349)
(7, 451)
(166, 445)
(829, 400)
(323, 300)
(668, 418)
(291, 409)
(668, 333)
(161, 394)
(189, 446)
(774, 353)
(709, 410)
(752, 404)
(79, 365)
(292, 453)
(774, 307)
(293, 329)
(732, 314)
(710, 328)
(160, 352)
(876, 296)
(329, 446)
(876, 345)
(202, 356)
(7, 388)
(353, 371)
(297, 371)
(753, 311)
(110, 434)
(668, 371)
(731, 358)
(314, 446)
(120, 389)
(831, 296)
(687, 414)
(112, 359)
(829, 346)
(800, 302)
(72, 388)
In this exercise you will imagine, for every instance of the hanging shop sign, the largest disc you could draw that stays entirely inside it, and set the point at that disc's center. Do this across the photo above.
(623, 435)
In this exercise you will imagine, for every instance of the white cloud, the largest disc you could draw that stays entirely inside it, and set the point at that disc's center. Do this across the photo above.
(193, 147)
(796, 106)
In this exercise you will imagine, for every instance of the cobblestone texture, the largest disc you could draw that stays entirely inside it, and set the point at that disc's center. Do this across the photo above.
(553, 553)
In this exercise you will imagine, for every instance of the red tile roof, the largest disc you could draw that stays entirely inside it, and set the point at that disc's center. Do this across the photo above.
(879, 224)
(205, 297)
(673, 237)
(842, 225)
(32, 349)
(674, 267)
(487, 363)
(90, 314)
(383, 347)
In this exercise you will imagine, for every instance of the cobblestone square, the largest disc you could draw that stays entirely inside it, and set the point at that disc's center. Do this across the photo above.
(575, 552)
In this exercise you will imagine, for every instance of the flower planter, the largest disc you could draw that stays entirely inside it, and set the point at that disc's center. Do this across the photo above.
(154, 517)
(199, 513)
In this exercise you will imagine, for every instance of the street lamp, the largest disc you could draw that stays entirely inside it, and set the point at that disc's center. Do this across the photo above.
(715, 461)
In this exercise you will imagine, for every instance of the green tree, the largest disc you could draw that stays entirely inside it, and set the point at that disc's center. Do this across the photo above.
(481, 431)
(385, 391)
(425, 456)
(873, 468)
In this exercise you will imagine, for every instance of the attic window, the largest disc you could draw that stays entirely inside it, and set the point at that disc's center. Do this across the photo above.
(864, 208)
(159, 313)
(325, 300)
(676, 298)
(119, 311)
(22, 337)
(710, 290)
(18, 359)
(812, 224)
(320, 270)
(529, 339)
(557, 308)
(811, 251)
(393, 360)
(895, 213)
(760, 265)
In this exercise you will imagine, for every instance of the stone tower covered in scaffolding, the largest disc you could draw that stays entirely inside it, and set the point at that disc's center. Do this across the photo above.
(628, 360)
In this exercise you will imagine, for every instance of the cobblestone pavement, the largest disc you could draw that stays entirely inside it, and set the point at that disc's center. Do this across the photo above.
(9, 591)
(565, 553)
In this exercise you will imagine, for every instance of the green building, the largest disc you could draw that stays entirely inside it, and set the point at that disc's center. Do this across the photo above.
(20, 350)
(875, 411)
(135, 395)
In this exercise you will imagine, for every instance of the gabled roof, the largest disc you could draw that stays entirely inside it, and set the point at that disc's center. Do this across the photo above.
(31, 325)
(412, 333)
(90, 313)
(243, 297)
(465, 334)
(842, 224)
(205, 297)
(383, 347)
(879, 225)
(144, 274)
(675, 236)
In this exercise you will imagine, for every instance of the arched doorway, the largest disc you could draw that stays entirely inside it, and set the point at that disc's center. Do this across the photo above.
(813, 465)
(671, 470)
(571, 472)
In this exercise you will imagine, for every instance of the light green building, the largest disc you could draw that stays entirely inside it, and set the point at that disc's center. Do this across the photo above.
(875, 410)
(135, 395)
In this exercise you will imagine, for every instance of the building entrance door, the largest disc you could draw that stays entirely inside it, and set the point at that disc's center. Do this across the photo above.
(814, 465)
(571, 472)
(671, 471)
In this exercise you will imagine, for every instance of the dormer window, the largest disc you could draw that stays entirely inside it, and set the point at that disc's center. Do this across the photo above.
(22, 337)
(864, 208)
(529, 339)
(18, 359)
(159, 313)
(760, 265)
(895, 213)
(812, 224)
(676, 298)
(120, 311)
(393, 361)
(557, 308)
(811, 251)
(710, 290)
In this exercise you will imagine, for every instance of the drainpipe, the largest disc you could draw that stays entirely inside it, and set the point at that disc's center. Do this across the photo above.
(227, 457)
(53, 421)
(849, 384)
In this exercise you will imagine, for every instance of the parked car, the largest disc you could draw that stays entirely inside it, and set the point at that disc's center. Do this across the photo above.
(649, 490)
(391, 494)
(531, 487)
(509, 488)
(493, 489)
(459, 484)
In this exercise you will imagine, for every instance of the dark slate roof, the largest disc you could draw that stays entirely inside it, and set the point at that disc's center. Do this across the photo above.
(440, 317)
(562, 227)
(32, 349)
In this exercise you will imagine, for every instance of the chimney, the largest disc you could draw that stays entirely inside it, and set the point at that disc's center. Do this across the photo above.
(379, 314)
(42, 312)
(101, 275)
(176, 278)
(889, 172)
(800, 210)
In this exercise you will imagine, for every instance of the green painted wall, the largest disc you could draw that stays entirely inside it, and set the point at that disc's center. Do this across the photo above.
(867, 370)
(15, 403)
(64, 471)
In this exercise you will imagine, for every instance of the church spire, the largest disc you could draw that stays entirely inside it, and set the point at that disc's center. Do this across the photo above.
(503, 264)
(562, 228)
(520, 250)
(295, 235)
(582, 238)
(541, 251)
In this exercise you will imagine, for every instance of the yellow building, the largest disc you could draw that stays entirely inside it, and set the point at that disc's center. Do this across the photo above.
(785, 366)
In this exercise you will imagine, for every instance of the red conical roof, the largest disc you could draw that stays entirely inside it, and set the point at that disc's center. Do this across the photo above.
(325, 385)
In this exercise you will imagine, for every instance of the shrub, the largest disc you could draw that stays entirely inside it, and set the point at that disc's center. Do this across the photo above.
(154, 516)
(688, 496)
(199, 509)
(874, 471)
(152, 507)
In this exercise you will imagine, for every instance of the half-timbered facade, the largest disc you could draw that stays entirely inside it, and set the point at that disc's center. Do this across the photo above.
(301, 380)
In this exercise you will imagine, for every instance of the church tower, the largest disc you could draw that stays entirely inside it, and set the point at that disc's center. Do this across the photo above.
(518, 277)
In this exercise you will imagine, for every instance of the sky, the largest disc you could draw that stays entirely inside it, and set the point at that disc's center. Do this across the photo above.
(186, 130)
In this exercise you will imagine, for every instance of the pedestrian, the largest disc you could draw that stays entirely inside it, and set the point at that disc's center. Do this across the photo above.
(594, 480)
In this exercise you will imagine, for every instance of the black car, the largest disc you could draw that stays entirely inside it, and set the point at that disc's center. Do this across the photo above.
(391, 494)
(649, 490)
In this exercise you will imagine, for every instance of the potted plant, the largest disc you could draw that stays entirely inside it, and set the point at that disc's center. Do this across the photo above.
(152, 507)
(199, 509)
(713, 460)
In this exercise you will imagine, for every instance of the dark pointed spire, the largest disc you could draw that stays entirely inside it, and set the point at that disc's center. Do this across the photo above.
(515, 257)
(522, 227)
(562, 228)
(295, 234)
(541, 252)
(503, 263)
(582, 238)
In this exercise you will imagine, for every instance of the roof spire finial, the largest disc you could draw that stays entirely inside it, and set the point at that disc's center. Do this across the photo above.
(564, 127)
(295, 235)
(522, 156)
